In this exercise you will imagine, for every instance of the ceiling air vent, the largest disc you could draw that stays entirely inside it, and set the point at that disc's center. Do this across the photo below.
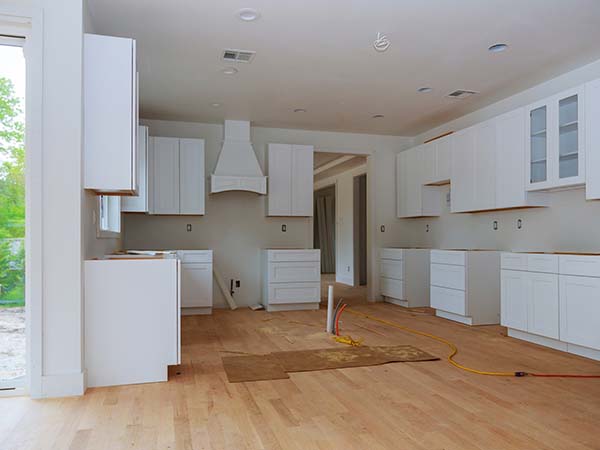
(245, 56)
(461, 93)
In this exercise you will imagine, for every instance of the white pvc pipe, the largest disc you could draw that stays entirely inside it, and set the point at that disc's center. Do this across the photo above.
(330, 309)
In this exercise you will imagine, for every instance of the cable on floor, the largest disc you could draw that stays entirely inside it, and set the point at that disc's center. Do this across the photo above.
(454, 350)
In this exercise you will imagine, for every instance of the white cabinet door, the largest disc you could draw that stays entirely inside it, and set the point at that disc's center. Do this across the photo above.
(510, 159)
(191, 176)
(302, 180)
(462, 169)
(484, 166)
(165, 178)
(513, 299)
(139, 203)
(592, 139)
(429, 162)
(110, 116)
(280, 175)
(414, 187)
(196, 285)
(542, 317)
(580, 310)
(401, 184)
(444, 153)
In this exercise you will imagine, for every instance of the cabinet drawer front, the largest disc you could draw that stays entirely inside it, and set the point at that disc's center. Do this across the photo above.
(294, 255)
(449, 300)
(392, 288)
(391, 253)
(443, 275)
(392, 269)
(457, 258)
(588, 266)
(294, 272)
(294, 293)
(196, 285)
(579, 304)
(513, 261)
(194, 256)
(542, 263)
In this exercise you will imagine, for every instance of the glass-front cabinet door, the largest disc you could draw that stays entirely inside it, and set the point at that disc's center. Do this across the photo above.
(555, 156)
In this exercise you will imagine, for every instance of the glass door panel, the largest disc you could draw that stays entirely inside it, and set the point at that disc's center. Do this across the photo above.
(538, 145)
(568, 143)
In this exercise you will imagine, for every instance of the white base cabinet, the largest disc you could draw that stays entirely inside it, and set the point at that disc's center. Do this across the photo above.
(553, 300)
(132, 321)
(404, 276)
(291, 279)
(465, 285)
(196, 281)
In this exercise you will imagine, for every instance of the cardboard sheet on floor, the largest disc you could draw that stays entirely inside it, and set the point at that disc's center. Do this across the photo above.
(277, 365)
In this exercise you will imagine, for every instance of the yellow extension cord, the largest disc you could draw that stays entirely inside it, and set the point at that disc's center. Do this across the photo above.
(453, 348)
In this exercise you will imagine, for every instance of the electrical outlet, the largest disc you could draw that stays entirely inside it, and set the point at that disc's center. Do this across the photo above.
(237, 283)
(189, 227)
(427, 228)
(519, 224)
(495, 225)
(382, 228)
(283, 228)
(347, 268)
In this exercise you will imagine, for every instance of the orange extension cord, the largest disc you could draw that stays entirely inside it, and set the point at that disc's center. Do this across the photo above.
(454, 350)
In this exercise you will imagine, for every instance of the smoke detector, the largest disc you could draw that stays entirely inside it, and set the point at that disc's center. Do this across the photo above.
(233, 55)
(461, 93)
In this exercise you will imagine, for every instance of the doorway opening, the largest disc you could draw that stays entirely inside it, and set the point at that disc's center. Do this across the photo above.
(340, 221)
(13, 361)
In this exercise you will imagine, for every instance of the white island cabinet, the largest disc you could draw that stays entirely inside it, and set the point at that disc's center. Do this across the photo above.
(465, 286)
(553, 300)
(132, 319)
(291, 279)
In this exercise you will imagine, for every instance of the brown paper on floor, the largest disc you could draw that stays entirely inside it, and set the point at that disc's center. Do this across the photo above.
(275, 365)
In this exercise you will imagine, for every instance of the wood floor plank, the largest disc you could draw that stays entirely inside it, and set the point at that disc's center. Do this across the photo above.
(412, 406)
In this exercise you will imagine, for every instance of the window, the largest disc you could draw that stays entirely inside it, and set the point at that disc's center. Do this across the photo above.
(109, 216)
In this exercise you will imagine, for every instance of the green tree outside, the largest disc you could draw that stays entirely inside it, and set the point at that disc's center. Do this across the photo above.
(12, 197)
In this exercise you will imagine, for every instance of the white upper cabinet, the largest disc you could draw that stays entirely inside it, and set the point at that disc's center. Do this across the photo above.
(555, 136)
(436, 161)
(110, 114)
(413, 198)
(139, 203)
(176, 176)
(462, 168)
(290, 180)
(592, 140)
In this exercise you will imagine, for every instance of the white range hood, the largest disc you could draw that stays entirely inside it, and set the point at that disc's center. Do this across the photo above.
(237, 167)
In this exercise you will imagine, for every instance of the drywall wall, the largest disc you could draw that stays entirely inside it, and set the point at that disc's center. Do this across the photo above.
(235, 225)
(61, 115)
(344, 222)
(570, 223)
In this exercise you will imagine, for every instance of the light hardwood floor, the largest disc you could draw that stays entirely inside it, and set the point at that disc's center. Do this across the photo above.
(427, 406)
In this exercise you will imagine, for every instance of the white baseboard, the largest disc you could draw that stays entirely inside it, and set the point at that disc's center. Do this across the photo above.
(454, 317)
(63, 385)
(555, 344)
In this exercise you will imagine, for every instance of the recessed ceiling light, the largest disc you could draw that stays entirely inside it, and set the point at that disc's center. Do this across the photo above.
(248, 14)
(230, 71)
(215, 105)
(424, 89)
(378, 116)
(299, 110)
(497, 48)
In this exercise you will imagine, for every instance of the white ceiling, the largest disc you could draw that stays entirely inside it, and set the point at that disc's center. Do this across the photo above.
(318, 55)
